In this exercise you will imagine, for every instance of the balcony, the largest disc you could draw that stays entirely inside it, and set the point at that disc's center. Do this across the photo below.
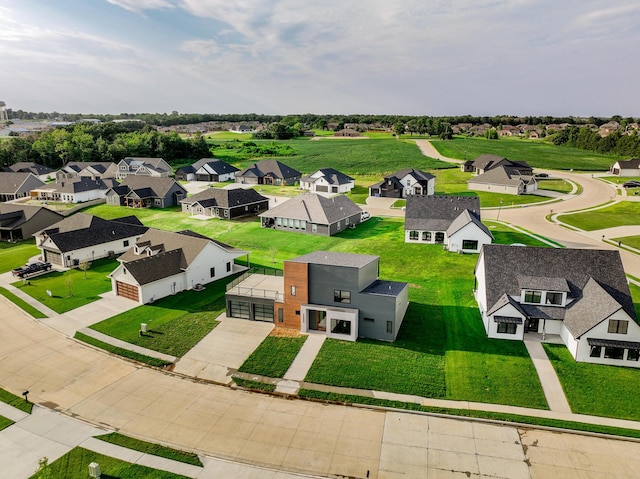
(258, 283)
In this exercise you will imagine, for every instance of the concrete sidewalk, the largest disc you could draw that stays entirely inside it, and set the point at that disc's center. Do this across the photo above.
(551, 386)
(128, 346)
(301, 364)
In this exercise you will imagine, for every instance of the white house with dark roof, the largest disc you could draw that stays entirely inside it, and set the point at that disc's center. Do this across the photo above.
(268, 172)
(313, 214)
(453, 221)
(135, 166)
(82, 237)
(497, 174)
(207, 169)
(225, 203)
(327, 180)
(404, 183)
(626, 167)
(580, 295)
(162, 263)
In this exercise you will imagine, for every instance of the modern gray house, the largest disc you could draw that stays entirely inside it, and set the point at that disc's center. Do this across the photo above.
(337, 294)
(225, 203)
(314, 214)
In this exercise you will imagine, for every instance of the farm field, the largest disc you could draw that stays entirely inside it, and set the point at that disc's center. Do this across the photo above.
(538, 153)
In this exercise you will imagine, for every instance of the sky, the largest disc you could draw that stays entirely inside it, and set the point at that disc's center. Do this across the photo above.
(396, 57)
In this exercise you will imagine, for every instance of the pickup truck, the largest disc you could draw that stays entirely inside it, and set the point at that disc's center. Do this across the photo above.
(30, 269)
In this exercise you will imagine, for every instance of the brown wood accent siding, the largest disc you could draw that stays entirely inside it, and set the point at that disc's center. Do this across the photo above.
(127, 290)
(295, 274)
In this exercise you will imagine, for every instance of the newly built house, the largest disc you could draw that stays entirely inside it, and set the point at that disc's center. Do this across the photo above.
(225, 203)
(404, 183)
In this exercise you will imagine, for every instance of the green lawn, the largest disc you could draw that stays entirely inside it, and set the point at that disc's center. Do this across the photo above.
(5, 422)
(175, 323)
(151, 448)
(22, 304)
(539, 154)
(596, 389)
(618, 214)
(16, 401)
(14, 255)
(125, 353)
(70, 289)
(561, 186)
(504, 234)
(633, 241)
(274, 356)
(75, 465)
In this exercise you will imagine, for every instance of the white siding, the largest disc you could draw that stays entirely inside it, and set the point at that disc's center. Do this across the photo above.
(507, 310)
(510, 190)
(92, 252)
(470, 231)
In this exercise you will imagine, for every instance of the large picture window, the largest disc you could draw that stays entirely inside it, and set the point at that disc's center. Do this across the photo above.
(613, 353)
(470, 244)
(617, 326)
(507, 328)
(534, 297)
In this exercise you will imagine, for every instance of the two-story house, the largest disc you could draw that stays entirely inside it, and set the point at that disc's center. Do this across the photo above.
(154, 167)
(327, 180)
(404, 183)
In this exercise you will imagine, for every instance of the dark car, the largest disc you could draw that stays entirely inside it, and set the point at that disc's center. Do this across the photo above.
(31, 268)
(632, 184)
(541, 175)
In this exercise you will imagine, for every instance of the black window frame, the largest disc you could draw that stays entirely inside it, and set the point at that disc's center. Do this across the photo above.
(507, 328)
(341, 296)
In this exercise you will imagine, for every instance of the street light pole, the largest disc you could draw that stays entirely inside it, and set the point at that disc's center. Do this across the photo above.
(499, 208)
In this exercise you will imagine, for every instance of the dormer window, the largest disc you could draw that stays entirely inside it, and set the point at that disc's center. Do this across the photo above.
(554, 298)
(533, 297)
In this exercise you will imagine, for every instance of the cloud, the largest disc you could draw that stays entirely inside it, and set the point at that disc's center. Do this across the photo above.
(141, 5)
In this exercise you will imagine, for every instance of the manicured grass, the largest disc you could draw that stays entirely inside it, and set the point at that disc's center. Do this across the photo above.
(257, 385)
(454, 182)
(125, 353)
(620, 180)
(14, 255)
(539, 154)
(633, 241)
(595, 389)
(5, 423)
(360, 191)
(561, 186)
(503, 234)
(22, 304)
(151, 448)
(175, 323)
(496, 416)
(16, 401)
(618, 214)
(75, 465)
(399, 204)
(83, 291)
(273, 357)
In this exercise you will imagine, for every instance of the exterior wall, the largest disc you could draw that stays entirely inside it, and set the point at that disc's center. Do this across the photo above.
(295, 274)
(30, 183)
(510, 190)
(407, 236)
(469, 232)
(481, 289)
(340, 314)
(227, 177)
(248, 180)
(114, 200)
(507, 310)
(41, 220)
(90, 253)
(600, 332)
(552, 326)
(343, 225)
(249, 209)
(151, 292)
(616, 170)
(211, 256)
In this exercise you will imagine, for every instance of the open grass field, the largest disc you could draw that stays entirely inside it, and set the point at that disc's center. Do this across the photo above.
(274, 356)
(70, 289)
(75, 465)
(595, 389)
(618, 214)
(175, 323)
(538, 153)
(14, 255)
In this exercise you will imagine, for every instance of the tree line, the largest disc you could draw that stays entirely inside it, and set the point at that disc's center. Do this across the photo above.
(584, 138)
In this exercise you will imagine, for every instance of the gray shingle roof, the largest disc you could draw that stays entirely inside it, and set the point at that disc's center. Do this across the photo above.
(273, 167)
(315, 208)
(147, 269)
(542, 283)
(214, 166)
(418, 175)
(502, 175)
(13, 215)
(436, 212)
(11, 181)
(332, 176)
(332, 258)
(632, 164)
(225, 198)
(463, 220)
(159, 187)
(80, 184)
(30, 167)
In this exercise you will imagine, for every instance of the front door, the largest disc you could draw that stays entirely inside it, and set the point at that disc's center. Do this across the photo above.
(531, 325)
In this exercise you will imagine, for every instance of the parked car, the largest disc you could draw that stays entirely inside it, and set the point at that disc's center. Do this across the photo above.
(632, 184)
(541, 175)
(31, 268)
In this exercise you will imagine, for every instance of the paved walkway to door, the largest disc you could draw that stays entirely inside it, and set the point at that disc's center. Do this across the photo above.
(548, 378)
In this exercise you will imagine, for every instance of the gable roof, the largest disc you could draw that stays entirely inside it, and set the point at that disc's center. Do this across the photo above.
(315, 208)
(30, 167)
(10, 182)
(463, 220)
(632, 164)
(76, 167)
(502, 175)
(13, 215)
(147, 269)
(225, 198)
(149, 186)
(504, 265)
(270, 167)
(82, 230)
(213, 166)
(332, 176)
(418, 175)
(80, 184)
(437, 212)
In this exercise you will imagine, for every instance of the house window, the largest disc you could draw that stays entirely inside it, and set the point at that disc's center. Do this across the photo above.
(613, 353)
(293, 290)
(296, 224)
(217, 211)
(212, 272)
(280, 315)
(125, 243)
(507, 328)
(297, 312)
(303, 225)
(346, 221)
(340, 296)
(617, 326)
(470, 244)
(414, 235)
(369, 320)
(341, 326)
(228, 266)
(389, 327)
(278, 221)
(426, 236)
(534, 297)
(339, 224)
(596, 352)
(554, 298)
(633, 355)
(157, 202)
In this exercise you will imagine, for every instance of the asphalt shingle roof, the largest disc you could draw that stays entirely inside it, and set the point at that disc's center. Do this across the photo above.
(11, 181)
(225, 198)
(273, 167)
(332, 176)
(149, 186)
(315, 208)
(436, 212)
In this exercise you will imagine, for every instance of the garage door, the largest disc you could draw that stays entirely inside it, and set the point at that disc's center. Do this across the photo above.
(127, 290)
(53, 257)
(322, 188)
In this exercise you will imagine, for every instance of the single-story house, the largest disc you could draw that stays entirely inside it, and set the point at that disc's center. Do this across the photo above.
(626, 167)
(348, 133)
(337, 294)
(74, 190)
(43, 173)
(146, 192)
(327, 180)
(579, 295)
(207, 169)
(504, 179)
(162, 263)
(17, 185)
(453, 221)
(18, 222)
(96, 169)
(313, 214)
(225, 203)
(82, 237)
(404, 183)
(268, 172)
(152, 167)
